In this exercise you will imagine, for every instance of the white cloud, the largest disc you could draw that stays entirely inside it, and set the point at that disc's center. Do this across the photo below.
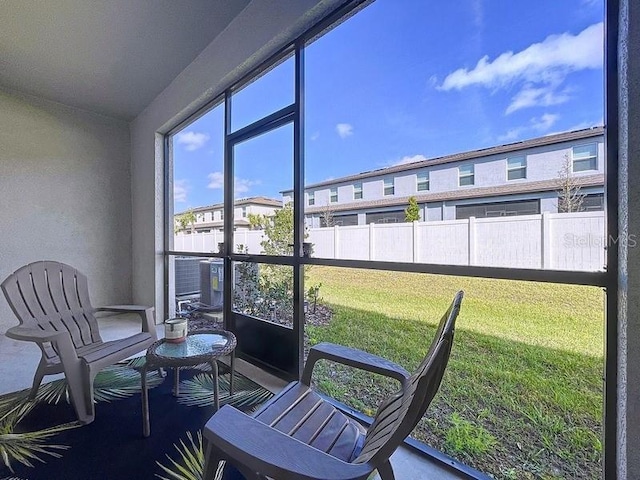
(538, 71)
(511, 135)
(478, 13)
(242, 185)
(216, 180)
(180, 189)
(540, 62)
(344, 130)
(536, 126)
(409, 159)
(544, 122)
(192, 140)
(543, 96)
(314, 136)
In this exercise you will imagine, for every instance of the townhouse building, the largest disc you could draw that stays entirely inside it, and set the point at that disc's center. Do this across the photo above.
(519, 178)
(211, 217)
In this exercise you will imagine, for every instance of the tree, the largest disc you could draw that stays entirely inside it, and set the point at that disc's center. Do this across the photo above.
(257, 221)
(570, 198)
(185, 220)
(412, 212)
(278, 231)
(326, 216)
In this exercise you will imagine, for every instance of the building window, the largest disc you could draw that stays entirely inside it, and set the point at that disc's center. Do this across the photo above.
(388, 187)
(244, 212)
(311, 199)
(592, 203)
(465, 175)
(334, 195)
(396, 216)
(585, 157)
(357, 191)
(516, 168)
(501, 209)
(423, 182)
(340, 220)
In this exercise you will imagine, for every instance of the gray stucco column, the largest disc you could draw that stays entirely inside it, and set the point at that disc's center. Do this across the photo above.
(628, 455)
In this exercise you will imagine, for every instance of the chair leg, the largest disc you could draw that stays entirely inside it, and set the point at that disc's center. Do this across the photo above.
(80, 383)
(386, 471)
(37, 380)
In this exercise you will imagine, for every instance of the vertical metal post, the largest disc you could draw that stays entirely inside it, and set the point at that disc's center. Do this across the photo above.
(228, 210)
(612, 9)
(298, 207)
(168, 222)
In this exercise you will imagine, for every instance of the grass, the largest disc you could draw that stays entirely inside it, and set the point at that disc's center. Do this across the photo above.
(522, 397)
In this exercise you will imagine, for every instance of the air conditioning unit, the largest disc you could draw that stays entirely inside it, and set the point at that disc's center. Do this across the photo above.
(212, 282)
(187, 276)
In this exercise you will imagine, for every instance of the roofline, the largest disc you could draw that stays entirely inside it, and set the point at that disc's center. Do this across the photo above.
(266, 201)
(469, 155)
(451, 195)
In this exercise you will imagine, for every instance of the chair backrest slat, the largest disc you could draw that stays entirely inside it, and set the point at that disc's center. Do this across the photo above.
(398, 415)
(53, 296)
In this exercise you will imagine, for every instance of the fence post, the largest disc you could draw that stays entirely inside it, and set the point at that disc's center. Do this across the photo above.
(545, 227)
(416, 249)
(372, 246)
(336, 242)
(472, 240)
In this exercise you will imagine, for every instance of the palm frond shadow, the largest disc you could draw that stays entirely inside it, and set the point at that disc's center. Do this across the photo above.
(25, 447)
(198, 392)
(112, 383)
(190, 466)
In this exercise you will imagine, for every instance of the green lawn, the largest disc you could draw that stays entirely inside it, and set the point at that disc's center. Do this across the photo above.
(522, 397)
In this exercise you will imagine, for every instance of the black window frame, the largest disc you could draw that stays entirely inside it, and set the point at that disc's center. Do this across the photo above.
(607, 279)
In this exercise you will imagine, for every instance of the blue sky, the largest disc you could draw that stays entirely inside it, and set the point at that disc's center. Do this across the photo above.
(405, 80)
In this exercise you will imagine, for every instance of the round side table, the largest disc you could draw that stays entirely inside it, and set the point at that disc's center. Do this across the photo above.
(200, 346)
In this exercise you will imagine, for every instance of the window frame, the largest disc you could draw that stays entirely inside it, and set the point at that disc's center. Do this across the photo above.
(517, 168)
(358, 193)
(388, 187)
(606, 279)
(593, 158)
(422, 179)
(333, 195)
(311, 198)
(463, 175)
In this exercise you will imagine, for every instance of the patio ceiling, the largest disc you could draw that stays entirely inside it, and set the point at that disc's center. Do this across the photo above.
(112, 57)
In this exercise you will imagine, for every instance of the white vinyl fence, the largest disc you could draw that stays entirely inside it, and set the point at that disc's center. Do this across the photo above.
(557, 241)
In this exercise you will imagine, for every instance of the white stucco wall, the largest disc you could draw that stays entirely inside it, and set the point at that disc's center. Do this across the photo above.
(65, 193)
(258, 32)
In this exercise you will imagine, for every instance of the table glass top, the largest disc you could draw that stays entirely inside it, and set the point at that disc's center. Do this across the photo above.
(194, 345)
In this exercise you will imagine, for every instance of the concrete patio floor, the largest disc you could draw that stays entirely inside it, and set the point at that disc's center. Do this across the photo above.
(18, 362)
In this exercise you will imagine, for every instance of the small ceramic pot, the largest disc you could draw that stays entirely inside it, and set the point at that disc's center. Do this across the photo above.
(175, 330)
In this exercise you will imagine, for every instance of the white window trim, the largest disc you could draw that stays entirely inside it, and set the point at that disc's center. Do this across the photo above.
(471, 175)
(573, 160)
(388, 184)
(512, 169)
(427, 181)
(358, 190)
(333, 192)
